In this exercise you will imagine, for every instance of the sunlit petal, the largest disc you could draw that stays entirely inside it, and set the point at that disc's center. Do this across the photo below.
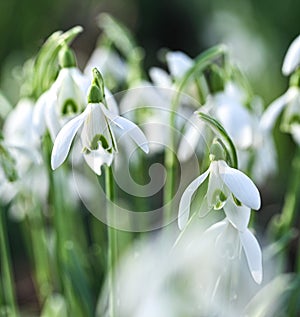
(240, 185)
(239, 216)
(253, 254)
(237, 121)
(38, 119)
(128, 127)
(192, 138)
(52, 119)
(178, 63)
(269, 117)
(64, 139)
(185, 202)
(95, 159)
(160, 77)
(292, 57)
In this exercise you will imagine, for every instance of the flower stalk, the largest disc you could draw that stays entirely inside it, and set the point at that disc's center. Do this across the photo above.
(112, 235)
(6, 272)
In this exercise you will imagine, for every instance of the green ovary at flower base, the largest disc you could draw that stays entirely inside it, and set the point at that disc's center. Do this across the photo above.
(97, 123)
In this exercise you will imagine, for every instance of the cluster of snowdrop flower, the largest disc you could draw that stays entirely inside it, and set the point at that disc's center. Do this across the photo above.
(81, 109)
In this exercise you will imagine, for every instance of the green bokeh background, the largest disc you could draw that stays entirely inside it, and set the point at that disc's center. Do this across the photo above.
(188, 25)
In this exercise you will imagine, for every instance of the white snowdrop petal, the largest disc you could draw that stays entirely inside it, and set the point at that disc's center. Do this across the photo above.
(269, 117)
(292, 57)
(190, 140)
(237, 121)
(129, 128)
(160, 77)
(64, 140)
(295, 131)
(38, 119)
(52, 119)
(185, 201)
(253, 255)
(95, 159)
(178, 63)
(239, 216)
(240, 185)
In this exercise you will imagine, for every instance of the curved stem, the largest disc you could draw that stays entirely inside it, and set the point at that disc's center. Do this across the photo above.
(7, 280)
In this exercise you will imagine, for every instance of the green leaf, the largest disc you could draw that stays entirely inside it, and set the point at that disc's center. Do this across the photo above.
(46, 64)
(118, 34)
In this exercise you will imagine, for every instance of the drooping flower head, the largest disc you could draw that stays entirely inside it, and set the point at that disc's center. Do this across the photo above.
(289, 102)
(64, 99)
(234, 192)
(223, 182)
(97, 123)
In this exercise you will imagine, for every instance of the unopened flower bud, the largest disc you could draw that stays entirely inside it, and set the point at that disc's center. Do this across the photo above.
(66, 57)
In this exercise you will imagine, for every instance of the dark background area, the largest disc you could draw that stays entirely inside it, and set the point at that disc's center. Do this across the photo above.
(249, 26)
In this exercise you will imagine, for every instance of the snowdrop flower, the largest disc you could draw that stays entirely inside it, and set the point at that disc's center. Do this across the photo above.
(223, 181)
(23, 145)
(113, 68)
(97, 136)
(229, 240)
(178, 63)
(289, 102)
(292, 57)
(64, 99)
(228, 108)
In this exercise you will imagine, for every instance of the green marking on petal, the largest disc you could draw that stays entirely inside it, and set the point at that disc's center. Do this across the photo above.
(100, 138)
(220, 199)
(237, 202)
(69, 107)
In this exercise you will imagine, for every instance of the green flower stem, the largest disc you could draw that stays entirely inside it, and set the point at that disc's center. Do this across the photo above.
(112, 233)
(291, 199)
(6, 273)
(63, 224)
(201, 62)
(36, 226)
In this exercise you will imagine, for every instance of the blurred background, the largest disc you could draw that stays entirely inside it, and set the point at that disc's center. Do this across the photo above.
(258, 32)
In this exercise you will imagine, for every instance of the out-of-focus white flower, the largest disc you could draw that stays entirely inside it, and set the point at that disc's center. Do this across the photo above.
(229, 109)
(289, 102)
(65, 99)
(111, 65)
(153, 101)
(229, 239)
(178, 63)
(24, 146)
(97, 137)
(150, 106)
(292, 57)
(192, 279)
(223, 182)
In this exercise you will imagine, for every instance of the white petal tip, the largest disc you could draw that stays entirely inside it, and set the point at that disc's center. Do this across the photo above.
(54, 164)
(257, 276)
(181, 224)
(145, 148)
